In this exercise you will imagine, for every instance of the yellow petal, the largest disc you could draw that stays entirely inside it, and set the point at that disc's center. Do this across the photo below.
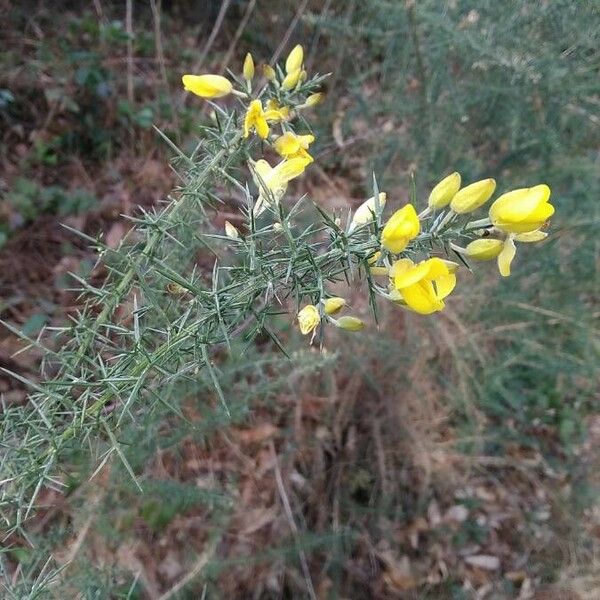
(422, 298)
(294, 59)
(505, 257)
(207, 86)
(473, 196)
(262, 128)
(531, 236)
(287, 144)
(401, 227)
(444, 285)
(437, 268)
(306, 140)
(308, 319)
(444, 191)
(287, 170)
(517, 205)
(484, 249)
(406, 274)
(248, 69)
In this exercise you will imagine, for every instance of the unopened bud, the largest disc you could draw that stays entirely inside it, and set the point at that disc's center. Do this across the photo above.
(350, 323)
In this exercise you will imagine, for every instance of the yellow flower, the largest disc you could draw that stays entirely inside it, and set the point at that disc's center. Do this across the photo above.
(291, 80)
(444, 191)
(484, 249)
(308, 319)
(473, 196)
(423, 286)
(401, 227)
(332, 306)
(523, 210)
(258, 119)
(290, 145)
(314, 99)
(207, 86)
(366, 211)
(231, 231)
(272, 181)
(350, 323)
(269, 72)
(248, 69)
(276, 112)
(295, 59)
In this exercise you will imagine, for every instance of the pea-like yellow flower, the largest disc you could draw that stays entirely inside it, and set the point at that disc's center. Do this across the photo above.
(272, 181)
(295, 59)
(444, 191)
(422, 286)
(401, 227)
(350, 323)
(248, 69)
(207, 86)
(308, 319)
(332, 306)
(366, 212)
(522, 211)
(473, 196)
(258, 119)
(277, 112)
(290, 145)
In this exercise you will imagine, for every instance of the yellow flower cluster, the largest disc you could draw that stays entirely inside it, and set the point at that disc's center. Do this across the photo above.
(269, 108)
(423, 285)
(401, 248)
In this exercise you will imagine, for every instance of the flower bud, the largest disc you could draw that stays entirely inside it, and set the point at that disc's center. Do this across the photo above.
(444, 191)
(248, 67)
(291, 80)
(314, 99)
(366, 211)
(332, 306)
(350, 323)
(269, 72)
(294, 60)
(470, 198)
(484, 249)
(207, 86)
(231, 231)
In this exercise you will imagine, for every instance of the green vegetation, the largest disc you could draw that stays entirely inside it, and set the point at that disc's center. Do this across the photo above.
(478, 408)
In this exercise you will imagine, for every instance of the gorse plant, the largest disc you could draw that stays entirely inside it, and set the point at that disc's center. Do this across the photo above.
(158, 317)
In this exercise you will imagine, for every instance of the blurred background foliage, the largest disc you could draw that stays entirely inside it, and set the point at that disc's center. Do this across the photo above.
(430, 458)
